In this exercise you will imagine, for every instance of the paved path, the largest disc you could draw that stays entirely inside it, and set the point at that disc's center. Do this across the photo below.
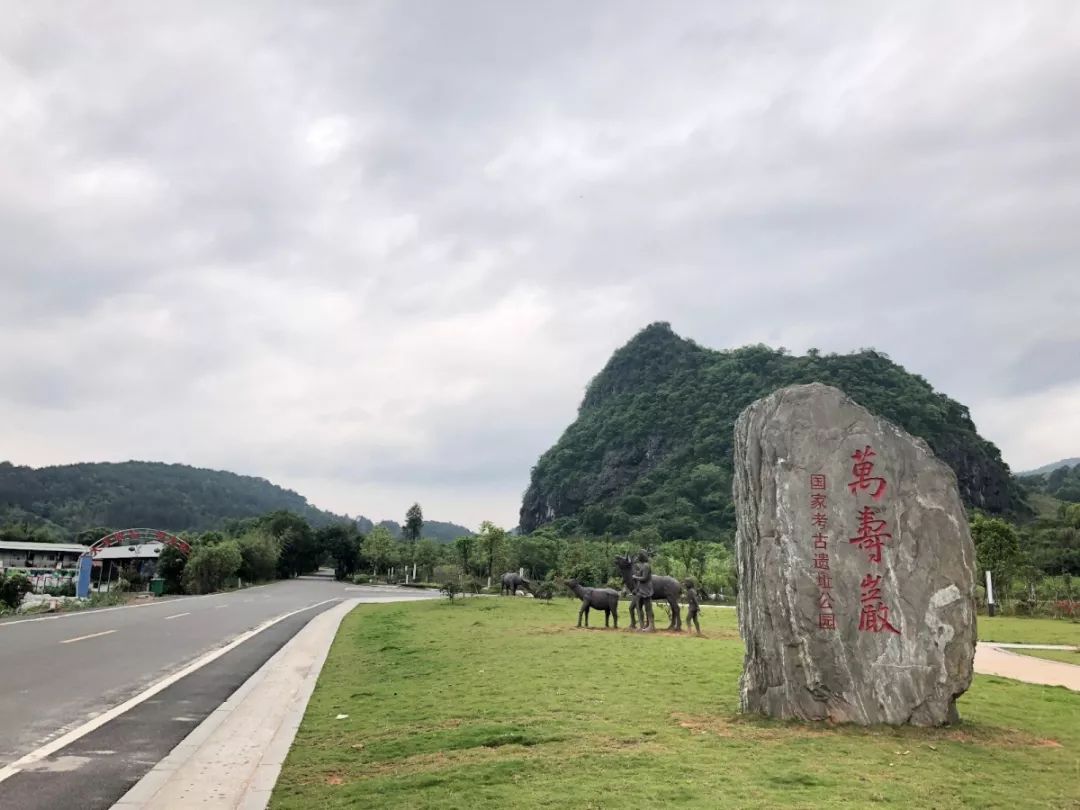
(79, 670)
(997, 659)
(232, 760)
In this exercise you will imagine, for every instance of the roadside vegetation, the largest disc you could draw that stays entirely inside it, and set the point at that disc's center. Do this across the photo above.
(503, 703)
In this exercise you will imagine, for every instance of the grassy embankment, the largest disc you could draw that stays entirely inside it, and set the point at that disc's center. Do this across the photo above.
(1018, 630)
(502, 702)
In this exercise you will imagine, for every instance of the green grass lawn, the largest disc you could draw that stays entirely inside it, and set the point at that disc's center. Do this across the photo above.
(1018, 630)
(501, 702)
(1065, 656)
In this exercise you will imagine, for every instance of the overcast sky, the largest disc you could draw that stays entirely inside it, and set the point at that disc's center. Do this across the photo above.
(375, 251)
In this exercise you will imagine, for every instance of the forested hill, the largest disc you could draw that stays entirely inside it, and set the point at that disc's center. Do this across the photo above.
(652, 443)
(141, 493)
(72, 498)
(1061, 482)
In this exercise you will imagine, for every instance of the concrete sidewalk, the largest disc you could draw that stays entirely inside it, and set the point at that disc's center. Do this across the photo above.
(996, 659)
(233, 758)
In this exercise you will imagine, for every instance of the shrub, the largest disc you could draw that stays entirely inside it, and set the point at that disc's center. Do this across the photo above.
(13, 587)
(450, 579)
(450, 588)
(259, 557)
(209, 566)
(544, 590)
(67, 589)
(134, 579)
(361, 579)
(105, 600)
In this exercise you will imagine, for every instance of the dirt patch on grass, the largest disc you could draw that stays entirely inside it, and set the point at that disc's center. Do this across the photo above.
(435, 761)
(441, 760)
(552, 630)
(747, 728)
(751, 728)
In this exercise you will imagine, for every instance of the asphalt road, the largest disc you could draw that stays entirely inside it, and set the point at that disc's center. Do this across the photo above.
(58, 672)
(96, 770)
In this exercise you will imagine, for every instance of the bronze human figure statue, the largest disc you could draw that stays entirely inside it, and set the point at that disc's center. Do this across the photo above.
(666, 588)
(511, 581)
(604, 599)
(643, 590)
(692, 606)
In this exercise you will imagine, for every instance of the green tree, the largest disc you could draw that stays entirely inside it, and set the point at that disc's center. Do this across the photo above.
(410, 532)
(299, 552)
(537, 553)
(997, 548)
(88, 537)
(492, 544)
(170, 567)
(259, 553)
(342, 543)
(414, 523)
(647, 538)
(211, 566)
(427, 557)
(466, 547)
(378, 548)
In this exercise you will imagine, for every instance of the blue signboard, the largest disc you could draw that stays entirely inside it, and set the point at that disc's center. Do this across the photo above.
(82, 587)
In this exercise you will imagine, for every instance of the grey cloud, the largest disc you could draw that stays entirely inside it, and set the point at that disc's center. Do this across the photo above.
(505, 194)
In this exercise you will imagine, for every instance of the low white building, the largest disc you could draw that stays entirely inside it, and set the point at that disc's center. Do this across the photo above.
(49, 565)
(141, 558)
(40, 556)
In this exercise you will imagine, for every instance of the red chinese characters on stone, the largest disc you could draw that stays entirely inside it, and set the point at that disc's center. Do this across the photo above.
(872, 534)
(819, 518)
(874, 617)
(862, 471)
(871, 537)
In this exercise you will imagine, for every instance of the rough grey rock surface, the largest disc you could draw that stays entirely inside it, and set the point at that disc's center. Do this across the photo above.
(796, 665)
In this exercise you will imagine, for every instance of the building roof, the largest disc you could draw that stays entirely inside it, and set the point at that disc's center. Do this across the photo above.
(144, 551)
(56, 548)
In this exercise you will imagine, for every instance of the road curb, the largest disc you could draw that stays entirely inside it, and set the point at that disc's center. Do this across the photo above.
(231, 759)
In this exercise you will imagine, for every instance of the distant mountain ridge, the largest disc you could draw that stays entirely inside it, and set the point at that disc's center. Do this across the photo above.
(436, 530)
(1049, 468)
(72, 497)
(651, 446)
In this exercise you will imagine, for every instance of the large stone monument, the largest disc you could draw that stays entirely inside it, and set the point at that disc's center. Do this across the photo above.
(856, 567)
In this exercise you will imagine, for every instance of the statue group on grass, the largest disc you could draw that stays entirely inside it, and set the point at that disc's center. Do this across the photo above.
(643, 586)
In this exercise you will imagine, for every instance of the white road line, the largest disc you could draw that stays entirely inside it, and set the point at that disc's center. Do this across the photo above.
(178, 615)
(95, 611)
(219, 607)
(83, 638)
(51, 748)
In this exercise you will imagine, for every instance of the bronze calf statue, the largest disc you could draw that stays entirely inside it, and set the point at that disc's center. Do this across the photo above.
(511, 581)
(604, 599)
